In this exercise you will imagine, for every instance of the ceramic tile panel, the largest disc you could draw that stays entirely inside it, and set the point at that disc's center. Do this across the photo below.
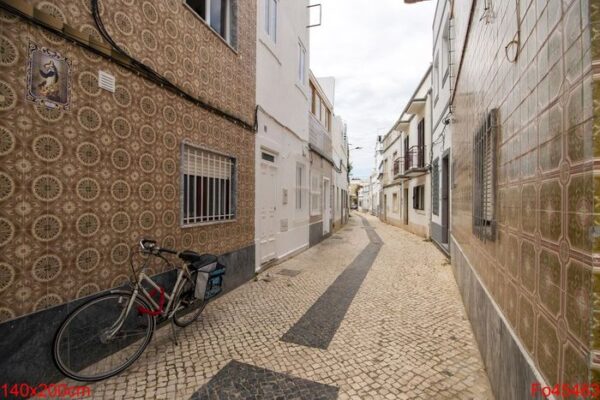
(546, 209)
(79, 187)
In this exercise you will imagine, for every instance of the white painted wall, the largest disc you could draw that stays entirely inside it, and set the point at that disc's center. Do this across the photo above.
(283, 124)
(442, 134)
(340, 158)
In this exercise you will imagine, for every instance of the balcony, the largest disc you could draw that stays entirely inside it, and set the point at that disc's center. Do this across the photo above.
(412, 164)
(319, 138)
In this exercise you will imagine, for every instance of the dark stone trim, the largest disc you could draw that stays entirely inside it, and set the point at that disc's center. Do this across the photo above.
(315, 233)
(317, 327)
(26, 350)
(510, 370)
(238, 380)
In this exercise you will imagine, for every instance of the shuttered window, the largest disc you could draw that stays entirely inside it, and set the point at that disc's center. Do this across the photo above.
(435, 187)
(208, 186)
(484, 178)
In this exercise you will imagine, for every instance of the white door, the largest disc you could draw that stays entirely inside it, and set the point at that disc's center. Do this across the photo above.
(326, 206)
(267, 195)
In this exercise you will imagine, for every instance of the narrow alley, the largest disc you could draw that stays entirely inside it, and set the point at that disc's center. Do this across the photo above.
(401, 333)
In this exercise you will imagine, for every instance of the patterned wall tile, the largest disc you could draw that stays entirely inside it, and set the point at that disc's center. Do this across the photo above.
(551, 210)
(549, 281)
(579, 282)
(547, 349)
(79, 187)
(580, 208)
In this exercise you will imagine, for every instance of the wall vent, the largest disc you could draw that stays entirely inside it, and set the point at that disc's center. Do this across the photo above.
(106, 81)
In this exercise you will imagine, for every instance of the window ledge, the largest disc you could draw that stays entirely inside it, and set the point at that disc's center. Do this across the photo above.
(301, 89)
(199, 224)
(210, 28)
(270, 50)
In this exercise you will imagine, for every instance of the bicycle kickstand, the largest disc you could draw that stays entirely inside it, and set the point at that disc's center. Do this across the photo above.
(174, 332)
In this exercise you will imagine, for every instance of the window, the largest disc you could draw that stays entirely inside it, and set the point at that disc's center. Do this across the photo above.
(268, 157)
(445, 67)
(435, 187)
(421, 143)
(327, 122)
(208, 186)
(436, 77)
(395, 203)
(299, 183)
(216, 13)
(315, 195)
(419, 197)
(301, 64)
(484, 178)
(271, 19)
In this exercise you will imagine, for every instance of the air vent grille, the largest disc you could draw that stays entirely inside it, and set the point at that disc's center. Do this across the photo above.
(106, 81)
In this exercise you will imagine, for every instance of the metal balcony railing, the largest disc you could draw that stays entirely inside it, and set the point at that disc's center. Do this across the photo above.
(415, 158)
(413, 163)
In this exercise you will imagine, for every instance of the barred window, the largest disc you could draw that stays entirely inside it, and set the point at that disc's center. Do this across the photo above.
(299, 185)
(435, 187)
(208, 182)
(315, 195)
(484, 178)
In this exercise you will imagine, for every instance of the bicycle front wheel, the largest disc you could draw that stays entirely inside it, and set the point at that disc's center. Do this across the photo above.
(100, 338)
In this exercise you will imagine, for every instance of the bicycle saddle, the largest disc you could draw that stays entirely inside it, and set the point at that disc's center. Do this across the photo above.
(196, 259)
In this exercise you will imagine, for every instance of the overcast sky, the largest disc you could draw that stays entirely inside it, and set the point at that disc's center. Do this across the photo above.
(378, 51)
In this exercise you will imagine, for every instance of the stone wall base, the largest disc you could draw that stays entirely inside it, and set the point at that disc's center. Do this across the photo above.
(510, 369)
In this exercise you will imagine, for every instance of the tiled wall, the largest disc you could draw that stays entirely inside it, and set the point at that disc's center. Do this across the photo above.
(79, 187)
(539, 267)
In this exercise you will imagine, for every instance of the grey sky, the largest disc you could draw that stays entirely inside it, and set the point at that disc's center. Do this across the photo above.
(378, 51)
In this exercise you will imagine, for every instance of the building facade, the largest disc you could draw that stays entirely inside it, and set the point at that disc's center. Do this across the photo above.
(98, 152)
(441, 155)
(524, 240)
(405, 178)
(282, 156)
(321, 163)
(340, 172)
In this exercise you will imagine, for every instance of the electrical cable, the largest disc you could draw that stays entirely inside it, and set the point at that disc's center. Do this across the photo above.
(163, 81)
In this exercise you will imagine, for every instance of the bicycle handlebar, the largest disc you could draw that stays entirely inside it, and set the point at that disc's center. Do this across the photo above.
(150, 245)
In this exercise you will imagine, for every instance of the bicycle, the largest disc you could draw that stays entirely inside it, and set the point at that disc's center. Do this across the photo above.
(108, 333)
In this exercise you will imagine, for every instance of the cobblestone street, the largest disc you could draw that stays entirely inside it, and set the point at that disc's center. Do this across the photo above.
(373, 312)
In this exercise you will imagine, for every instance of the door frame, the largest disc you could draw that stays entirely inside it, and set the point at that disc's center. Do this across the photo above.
(326, 209)
(271, 165)
(445, 197)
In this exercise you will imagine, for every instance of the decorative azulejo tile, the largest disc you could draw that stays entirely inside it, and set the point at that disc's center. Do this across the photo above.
(579, 282)
(549, 278)
(551, 210)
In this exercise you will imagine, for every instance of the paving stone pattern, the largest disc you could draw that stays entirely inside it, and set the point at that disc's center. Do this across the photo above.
(242, 381)
(404, 336)
(317, 327)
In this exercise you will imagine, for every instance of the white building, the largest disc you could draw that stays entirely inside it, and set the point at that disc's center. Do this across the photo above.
(405, 177)
(282, 155)
(340, 172)
(441, 154)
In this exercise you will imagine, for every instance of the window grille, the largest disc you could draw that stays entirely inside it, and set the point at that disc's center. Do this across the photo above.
(208, 181)
(484, 178)
(299, 184)
(435, 187)
(315, 195)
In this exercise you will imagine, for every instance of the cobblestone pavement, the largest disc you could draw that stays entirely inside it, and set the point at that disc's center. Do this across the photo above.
(403, 335)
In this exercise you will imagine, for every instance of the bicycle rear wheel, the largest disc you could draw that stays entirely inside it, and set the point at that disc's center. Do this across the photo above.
(189, 307)
(84, 348)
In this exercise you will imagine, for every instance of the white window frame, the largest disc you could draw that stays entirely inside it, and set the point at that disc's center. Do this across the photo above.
(301, 63)
(270, 14)
(197, 166)
(207, 18)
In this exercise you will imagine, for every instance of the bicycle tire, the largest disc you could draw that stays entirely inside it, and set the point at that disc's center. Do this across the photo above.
(187, 294)
(97, 351)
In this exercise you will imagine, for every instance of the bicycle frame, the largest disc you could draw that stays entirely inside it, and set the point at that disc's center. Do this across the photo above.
(167, 312)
